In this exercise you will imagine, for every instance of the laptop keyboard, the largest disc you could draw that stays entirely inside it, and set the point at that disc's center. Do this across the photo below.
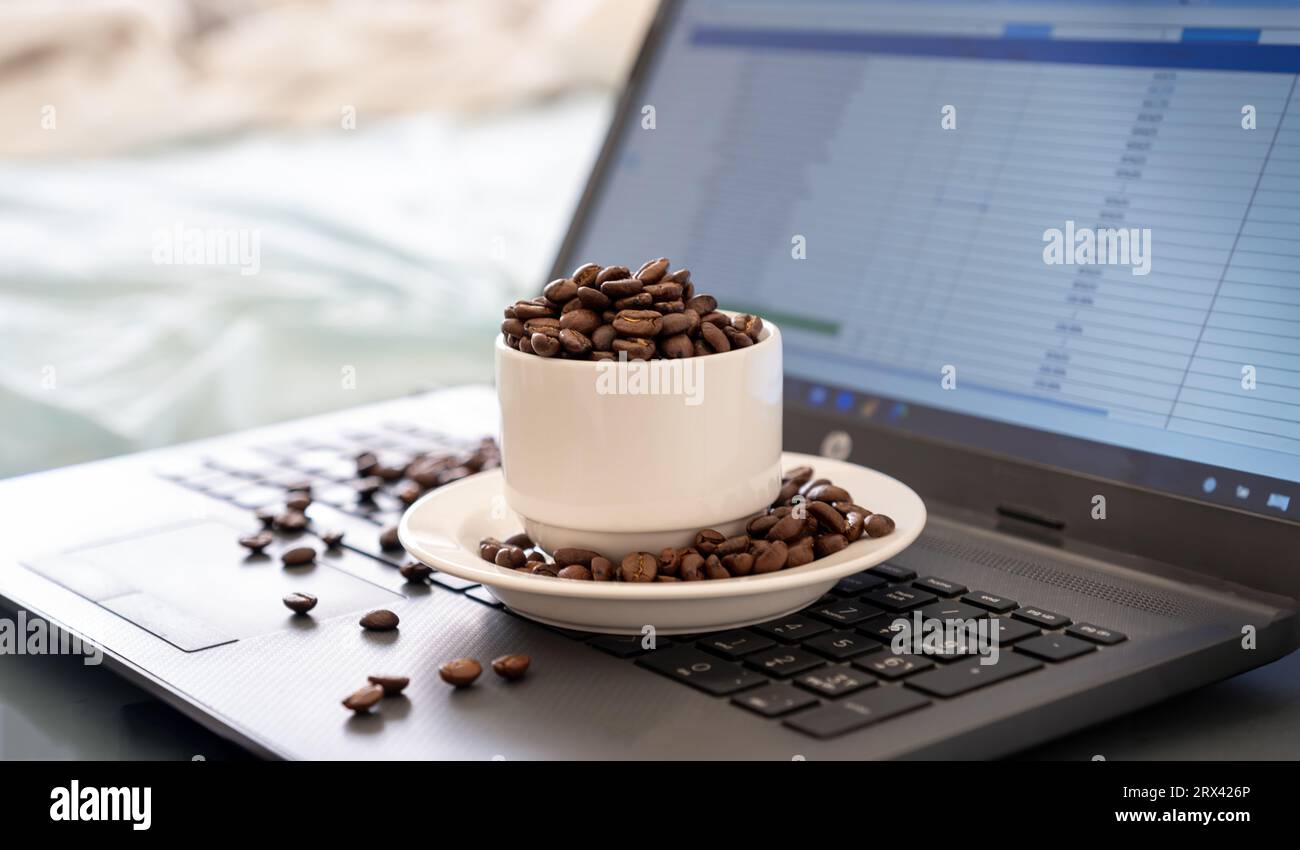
(825, 671)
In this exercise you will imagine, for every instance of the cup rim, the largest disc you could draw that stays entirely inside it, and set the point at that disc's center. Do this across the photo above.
(771, 333)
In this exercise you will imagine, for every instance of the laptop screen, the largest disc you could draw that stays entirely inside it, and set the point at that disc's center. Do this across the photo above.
(1064, 231)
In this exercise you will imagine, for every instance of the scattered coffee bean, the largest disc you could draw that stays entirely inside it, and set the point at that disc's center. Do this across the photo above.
(300, 603)
(460, 672)
(291, 521)
(333, 537)
(511, 667)
(388, 539)
(392, 685)
(298, 556)
(298, 501)
(380, 620)
(415, 571)
(255, 543)
(265, 516)
(364, 699)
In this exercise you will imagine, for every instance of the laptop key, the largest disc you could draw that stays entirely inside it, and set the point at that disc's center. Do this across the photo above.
(626, 646)
(898, 599)
(891, 666)
(855, 712)
(880, 627)
(1055, 647)
(991, 601)
(783, 662)
(735, 644)
(1096, 634)
(1042, 618)
(791, 629)
(844, 612)
(774, 700)
(857, 584)
(892, 572)
(841, 645)
(940, 586)
(1010, 631)
(956, 679)
(835, 681)
(700, 670)
(952, 610)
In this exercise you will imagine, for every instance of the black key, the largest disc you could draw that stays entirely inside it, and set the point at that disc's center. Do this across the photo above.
(898, 599)
(952, 610)
(774, 700)
(892, 572)
(940, 586)
(856, 584)
(855, 712)
(841, 645)
(626, 646)
(782, 662)
(956, 679)
(991, 601)
(1096, 634)
(1055, 647)
(890, 666)
(1010, 631)
(700, 670)
(791, 629)
(734, 644)
(482, 594)
(844, 612)
(450, 581)
(835, 681)
(881, 628)
(1042, 618)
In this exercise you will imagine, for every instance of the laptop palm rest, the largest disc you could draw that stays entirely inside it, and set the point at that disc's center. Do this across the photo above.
(195, 587)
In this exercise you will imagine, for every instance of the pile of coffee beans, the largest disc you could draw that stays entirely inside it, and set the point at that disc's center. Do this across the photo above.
(811, 518)
(600, 313)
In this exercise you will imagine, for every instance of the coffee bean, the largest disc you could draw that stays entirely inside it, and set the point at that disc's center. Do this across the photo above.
(549, 327)
(602, 338)
(645, 323)
(653, 270)
(722, 320)
(460, 672)
(634, 302)
(829, 493)
(388, 539)
(879, 525)
(585, 274)
(570, 306)
(613, 273)
(561, 290)
(702, 349)
(366, 461)
(736, 338)
(604, 356)
(291, 521)
(392, 685)
(575, 571)
(669, 308)
(682, 276)
(298, 501)
(488, 548)
(265, 516)
(541, 568)
(602, 569)
(759, 525)
(716, 339)
(522, 540)
(664, 291)
(616, 289)
(511, 327)
(800, 475)
(670, 560)
(786, 528)
(679, 323)
(526, 345)
(639, 566)
(332, 538)
(707, 540)
(525, 310)
(677, 347)
(300, 603)
(666, 578)
(636, 348)
(511, 667)
(566, 556)
(510, 556)
(731, 546)
(368, 486)
(583, 321)
(415, 571)
(380, 620)
(593, 300)
(854, 525)
(788, 491)
(809, 486)
(800, 553)
(255, 543)
(713, 568)
(543, 345)
(298, 556)
(692, 567)
(364, 699)
(829, 518)
(751, 326)
(702, 304)
(829, 544)
(574, 342)
(769, 556)
(408, 494)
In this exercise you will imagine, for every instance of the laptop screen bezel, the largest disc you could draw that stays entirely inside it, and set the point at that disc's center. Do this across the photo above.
(958, 479)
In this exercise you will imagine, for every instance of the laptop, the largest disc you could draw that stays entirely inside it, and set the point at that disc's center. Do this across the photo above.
(1106, 439)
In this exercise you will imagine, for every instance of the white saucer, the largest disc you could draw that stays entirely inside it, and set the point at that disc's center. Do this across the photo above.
(443, 530)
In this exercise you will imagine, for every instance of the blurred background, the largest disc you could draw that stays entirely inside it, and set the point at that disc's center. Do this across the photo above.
(392, 171)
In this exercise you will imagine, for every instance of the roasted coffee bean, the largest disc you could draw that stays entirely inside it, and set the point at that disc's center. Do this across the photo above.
(541, 568)
(800, 553)
(670, 560)
(679, 323)
(787, 492)
(512, 327)
(575, 571)
(332, 538)
(751, 326)
(638, 322)
(653, 270)
(736, 338)
(669, 308)
(682, 276)
(526, 345)
(850, 507)
(364, 699)
(759, 525)
(550, 327)
(300, 603)
(636, 348)
(809, 486)
(565, 556)
(291, 521)
(786, 528)
(511, 667)
(543, 345)
(574, 342)
(388, 539)
(488, 548)
(387, 473)
(739, 564)
(616, 289)
(522, 540)
(454, 474)
(298, 556)
(570, 306)
(460, 672)
(525, 310)
(713, 568)
(602, 339)
(664, 291)
(769, 556)
(702, 349)
(509, 312)
(265, 516)
(854, 524)
(878, 525)
(368, 486)
(633, 302)
(604, 356)
(366, 461)
(731, 546)
(707, 540)
(829, 544)
(380, 620)
(722, 320)
(688, 291)
(414, 571)
(691, 567)
(408, 494)
(561, 290)
(613, 273)
(584, 322)
(602, 569)
(714, 336)
(392, 685)
(639, 566)
(829, 493)
(829, 518)
(298, 501)
(255, 543)
(510, 556)
(676, 347)
(666, 578)
(585, 274)
(702, 304)
(800, 475)
(593, 299)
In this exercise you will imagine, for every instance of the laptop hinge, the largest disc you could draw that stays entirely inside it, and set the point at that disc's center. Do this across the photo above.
(1036, 526)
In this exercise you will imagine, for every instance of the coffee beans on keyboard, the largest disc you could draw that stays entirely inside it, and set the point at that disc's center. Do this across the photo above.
(361, 701)
(255, 543)
(298, 556)
(811, 518)
(608, 313)
(380, 620)
(460, 672)
(511, 667)
(300, 603)
(392, 685)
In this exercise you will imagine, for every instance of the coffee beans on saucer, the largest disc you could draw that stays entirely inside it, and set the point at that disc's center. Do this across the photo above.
(610, 312)
(811, 518)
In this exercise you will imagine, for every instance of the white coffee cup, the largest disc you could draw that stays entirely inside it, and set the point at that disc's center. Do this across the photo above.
(635, 456)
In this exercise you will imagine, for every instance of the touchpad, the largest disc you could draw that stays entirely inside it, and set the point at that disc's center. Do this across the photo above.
(195, 587)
